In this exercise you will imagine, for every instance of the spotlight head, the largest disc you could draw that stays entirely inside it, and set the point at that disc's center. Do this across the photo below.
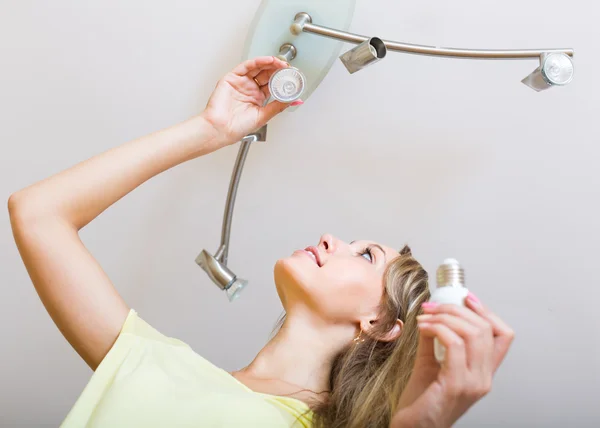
(367, 53)
(556, 69)
(221, 276)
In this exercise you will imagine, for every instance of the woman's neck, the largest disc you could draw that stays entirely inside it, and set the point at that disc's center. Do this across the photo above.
(299, 357)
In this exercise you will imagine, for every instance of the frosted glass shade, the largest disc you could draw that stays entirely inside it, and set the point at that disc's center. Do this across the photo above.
(270, 29)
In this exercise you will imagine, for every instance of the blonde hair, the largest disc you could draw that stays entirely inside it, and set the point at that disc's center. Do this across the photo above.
(368, 377)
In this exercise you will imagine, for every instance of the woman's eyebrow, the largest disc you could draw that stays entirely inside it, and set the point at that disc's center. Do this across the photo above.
(376, 246)
(382, 250)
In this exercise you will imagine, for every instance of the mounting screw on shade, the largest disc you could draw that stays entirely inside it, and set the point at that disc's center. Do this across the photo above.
(300, 20)
(287, 52)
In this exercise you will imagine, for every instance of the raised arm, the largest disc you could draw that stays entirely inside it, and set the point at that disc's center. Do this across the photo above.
(47, 216)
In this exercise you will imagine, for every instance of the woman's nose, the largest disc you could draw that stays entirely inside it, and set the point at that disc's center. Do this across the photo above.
(328, 243)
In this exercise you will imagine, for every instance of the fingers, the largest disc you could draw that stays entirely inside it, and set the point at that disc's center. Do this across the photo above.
(253, 67)
(262, 78)
(455, 360)
(266, 91)
(478, 339)
(425, 348)
(255, 74)
(269, 111)
(499, 326)
(273, 109)
(260, 71)
(478, 315)
(466, 371)
(461, 326)
(456, 310)
(503, 334)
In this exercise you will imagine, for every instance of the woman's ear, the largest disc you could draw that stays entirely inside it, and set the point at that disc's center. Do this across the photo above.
(391, 335)
(394, 333)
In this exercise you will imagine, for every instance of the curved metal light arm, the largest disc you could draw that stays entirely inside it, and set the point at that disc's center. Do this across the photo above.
(260, 135)
(216, 266)
(303, 23)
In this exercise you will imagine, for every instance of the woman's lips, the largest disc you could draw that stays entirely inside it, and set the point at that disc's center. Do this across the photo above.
(313, 252)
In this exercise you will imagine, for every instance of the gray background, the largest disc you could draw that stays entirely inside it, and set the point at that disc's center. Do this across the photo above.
(456, 158)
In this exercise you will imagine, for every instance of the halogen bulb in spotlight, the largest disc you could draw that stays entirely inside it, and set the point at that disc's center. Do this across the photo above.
(557, 69)
(233, 292)
(287, 85)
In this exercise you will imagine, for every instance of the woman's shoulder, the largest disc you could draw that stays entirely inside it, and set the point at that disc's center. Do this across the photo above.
(155, 380)
(139, 343)
(137, 327)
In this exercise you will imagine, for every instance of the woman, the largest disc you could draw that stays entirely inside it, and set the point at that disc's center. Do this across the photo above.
(355, 349)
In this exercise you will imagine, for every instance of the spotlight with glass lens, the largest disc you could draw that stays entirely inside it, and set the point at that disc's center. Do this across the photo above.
(287, 85)
(556, 69)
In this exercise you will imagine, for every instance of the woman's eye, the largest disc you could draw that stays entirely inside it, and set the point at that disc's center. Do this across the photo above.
(367, 254)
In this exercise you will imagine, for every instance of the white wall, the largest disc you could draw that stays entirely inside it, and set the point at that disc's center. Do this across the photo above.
(457, 158)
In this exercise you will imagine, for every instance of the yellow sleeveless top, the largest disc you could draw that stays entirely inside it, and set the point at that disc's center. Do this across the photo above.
(150, 380)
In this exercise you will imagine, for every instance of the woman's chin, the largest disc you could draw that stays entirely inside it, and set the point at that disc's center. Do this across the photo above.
(292, 271)
(283, 268)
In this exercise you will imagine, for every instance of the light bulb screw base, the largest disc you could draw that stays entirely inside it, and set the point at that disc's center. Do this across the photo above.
(450, 274)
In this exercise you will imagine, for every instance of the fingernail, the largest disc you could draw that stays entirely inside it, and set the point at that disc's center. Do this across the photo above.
(473, 297)
(423, 325)
(429, 305)
(297, 103)
(423, 317)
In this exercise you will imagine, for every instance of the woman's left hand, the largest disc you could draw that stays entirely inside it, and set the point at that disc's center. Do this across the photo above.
(476, 342)
(235, 108)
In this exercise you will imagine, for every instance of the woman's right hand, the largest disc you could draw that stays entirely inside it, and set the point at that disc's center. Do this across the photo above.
(236, 106)
(476, 342)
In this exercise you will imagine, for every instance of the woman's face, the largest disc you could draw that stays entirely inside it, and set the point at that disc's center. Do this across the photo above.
(339, 281)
